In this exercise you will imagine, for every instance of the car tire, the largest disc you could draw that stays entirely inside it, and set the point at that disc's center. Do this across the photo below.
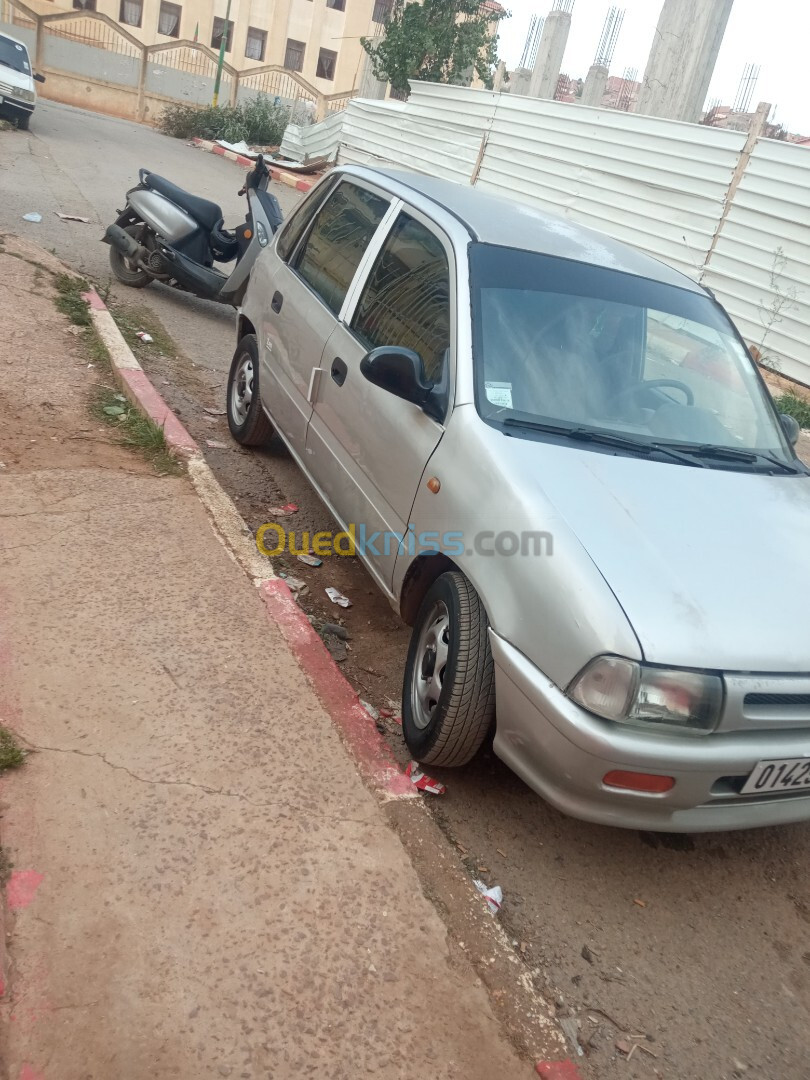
(448, 699)
(246, 417)
(135, 279)
(23, 120)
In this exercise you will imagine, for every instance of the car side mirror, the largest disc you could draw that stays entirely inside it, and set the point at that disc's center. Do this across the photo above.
(38, 77)
(400, 372)
(791, 428)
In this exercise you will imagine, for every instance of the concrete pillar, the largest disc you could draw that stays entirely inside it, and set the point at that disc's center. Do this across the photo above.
(520, 81)
(370, 86)
(550, 54)
(595, 86)
(683, 56)
(500, 76)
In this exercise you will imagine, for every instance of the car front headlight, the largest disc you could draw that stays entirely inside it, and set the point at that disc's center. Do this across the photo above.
(631, 693)
(26, 95)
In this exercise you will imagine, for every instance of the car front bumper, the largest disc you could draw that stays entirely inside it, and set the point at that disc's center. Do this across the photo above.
(563, 753)
(13, 108)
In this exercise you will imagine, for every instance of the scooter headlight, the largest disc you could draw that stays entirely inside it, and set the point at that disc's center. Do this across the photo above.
(261, 235)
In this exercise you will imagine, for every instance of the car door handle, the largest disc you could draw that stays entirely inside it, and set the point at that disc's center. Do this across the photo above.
(277, 302)
(339, 371)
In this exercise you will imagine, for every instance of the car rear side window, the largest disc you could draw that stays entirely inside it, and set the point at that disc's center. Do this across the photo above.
(329, 257)
(301, 220)
(406, 301)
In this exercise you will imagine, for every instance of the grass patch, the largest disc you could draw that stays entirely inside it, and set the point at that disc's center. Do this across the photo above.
(134, 318)
(135, 430)
(259, 122)
(11, 756)
(796, 407)
(69, 300)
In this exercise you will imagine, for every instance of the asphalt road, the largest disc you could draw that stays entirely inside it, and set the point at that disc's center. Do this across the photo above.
(78, 162)
(701, 943)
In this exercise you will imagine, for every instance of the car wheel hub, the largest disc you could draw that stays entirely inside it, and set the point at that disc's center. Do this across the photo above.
(432, 655)
(242, 392)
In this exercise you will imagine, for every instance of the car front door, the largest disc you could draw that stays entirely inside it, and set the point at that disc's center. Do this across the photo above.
(303, 285)
(366, 448)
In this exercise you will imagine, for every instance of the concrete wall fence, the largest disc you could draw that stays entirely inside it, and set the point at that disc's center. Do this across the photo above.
(729, 209)
(90, 61)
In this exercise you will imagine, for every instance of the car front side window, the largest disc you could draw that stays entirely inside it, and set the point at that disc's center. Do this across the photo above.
(329, 257)
(406, 300)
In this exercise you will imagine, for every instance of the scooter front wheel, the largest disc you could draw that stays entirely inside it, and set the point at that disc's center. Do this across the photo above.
(125, 271)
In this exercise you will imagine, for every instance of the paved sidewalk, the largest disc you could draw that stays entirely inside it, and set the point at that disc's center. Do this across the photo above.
(201, 884)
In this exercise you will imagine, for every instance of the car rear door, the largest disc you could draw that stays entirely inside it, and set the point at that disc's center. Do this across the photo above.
(367, 449)
(302, 287)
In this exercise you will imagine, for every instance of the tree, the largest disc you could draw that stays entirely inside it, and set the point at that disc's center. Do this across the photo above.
(437, 41)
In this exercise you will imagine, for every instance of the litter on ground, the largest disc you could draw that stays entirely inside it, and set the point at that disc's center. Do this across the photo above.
(338, 598)
(238, 148)
(214, 412)
(72, 217)
(216, 445)
(493, 896)
(33, 216)
(144, 337)
(310, 560)
(422, 782)
(372, 712)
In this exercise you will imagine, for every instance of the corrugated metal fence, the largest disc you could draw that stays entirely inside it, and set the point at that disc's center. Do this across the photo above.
(659, 185)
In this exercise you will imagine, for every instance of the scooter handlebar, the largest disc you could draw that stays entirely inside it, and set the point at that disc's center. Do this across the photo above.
(257, 178)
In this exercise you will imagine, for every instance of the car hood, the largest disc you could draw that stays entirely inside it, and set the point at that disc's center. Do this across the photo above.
(711, 567)
(17, 80)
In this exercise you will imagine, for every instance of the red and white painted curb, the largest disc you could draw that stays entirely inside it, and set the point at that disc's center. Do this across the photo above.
(283, 177)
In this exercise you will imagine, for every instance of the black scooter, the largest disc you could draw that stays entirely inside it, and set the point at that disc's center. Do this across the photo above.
(166, 234)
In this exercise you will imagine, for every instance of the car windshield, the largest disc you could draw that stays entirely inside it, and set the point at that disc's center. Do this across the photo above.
(565, 344)
(14, 55)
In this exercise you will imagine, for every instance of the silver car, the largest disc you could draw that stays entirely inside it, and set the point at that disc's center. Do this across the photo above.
(562, 467)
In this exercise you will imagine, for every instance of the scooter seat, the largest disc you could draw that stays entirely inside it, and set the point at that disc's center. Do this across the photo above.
(208, 214)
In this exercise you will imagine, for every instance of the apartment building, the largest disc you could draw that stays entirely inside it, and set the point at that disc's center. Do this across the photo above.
(319, 39)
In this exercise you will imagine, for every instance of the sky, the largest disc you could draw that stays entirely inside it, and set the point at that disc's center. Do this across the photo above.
(775, 34)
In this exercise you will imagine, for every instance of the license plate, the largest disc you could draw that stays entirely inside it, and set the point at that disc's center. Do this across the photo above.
(791, 774)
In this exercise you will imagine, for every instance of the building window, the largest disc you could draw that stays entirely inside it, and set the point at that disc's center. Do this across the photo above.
(131, 12)
(338, 5)
(255, 44)
(84, 5)
(327, 61)
(294, 56)
(382, 10)
(169, 19)
(222, 30)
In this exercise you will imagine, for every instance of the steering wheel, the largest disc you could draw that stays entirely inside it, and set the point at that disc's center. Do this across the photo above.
(633, 391)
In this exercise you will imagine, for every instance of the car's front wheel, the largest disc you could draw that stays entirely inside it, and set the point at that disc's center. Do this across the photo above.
(246, 417)
(449, 691)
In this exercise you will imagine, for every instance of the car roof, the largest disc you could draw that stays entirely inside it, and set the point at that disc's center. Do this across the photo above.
(16, 41)
(493, 220)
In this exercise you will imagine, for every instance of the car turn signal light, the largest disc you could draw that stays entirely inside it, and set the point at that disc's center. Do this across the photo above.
(650, 783)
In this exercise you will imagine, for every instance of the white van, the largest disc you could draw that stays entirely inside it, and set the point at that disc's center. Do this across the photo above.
(18, 95)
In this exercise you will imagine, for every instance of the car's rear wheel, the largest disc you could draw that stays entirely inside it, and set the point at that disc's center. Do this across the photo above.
(449, 689)
(127, 272)
(246, 417)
